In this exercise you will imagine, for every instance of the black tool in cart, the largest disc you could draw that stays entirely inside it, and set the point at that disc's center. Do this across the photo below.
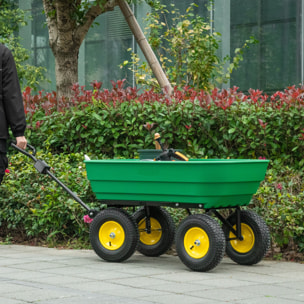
(42, 167)
(168, 154)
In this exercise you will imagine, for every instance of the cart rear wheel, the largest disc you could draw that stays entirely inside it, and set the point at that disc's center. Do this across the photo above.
(256, 239)
(200, 242)
(161, 237)
(113, 235)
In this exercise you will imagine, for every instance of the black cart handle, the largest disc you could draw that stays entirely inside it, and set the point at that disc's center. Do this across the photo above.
(42, 167)
(31, 155)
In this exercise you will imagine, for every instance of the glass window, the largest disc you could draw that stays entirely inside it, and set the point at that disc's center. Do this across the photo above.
(278, 56)
(41, 53)
(274, 63)
(106, 48)
(244, 11)
(278, 10)
(247, 75)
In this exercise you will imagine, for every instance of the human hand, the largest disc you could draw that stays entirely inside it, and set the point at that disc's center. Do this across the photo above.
(21, 142)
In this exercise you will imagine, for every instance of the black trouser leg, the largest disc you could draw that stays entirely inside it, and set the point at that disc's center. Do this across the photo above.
(3, 165)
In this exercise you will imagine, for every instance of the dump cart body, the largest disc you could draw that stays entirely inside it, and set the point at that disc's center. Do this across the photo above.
(211, 183)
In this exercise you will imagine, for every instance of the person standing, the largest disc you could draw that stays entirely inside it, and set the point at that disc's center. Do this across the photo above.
(11, 107)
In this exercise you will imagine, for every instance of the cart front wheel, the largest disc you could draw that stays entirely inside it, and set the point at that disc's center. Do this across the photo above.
(256, 239)
(113, 235)
(159, 238)
(200, 242)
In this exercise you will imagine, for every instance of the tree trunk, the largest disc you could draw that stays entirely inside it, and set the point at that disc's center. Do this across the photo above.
(66, 69)
(66, 34)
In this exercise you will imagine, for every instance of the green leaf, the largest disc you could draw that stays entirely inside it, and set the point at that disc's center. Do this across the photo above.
(98, 117)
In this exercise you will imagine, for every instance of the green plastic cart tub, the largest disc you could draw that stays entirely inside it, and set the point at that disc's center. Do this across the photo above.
(210, 183)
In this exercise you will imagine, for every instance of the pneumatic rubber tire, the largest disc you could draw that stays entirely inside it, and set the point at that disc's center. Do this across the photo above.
(256, 242)
(114, 235)
(162, 233)
(200, 242)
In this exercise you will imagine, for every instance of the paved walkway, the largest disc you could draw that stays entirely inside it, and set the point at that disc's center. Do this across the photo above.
(52, 276)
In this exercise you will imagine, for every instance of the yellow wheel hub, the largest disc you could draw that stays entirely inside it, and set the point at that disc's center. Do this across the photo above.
(247, 243)
(111, 235)
(153, 237)
(196, 242)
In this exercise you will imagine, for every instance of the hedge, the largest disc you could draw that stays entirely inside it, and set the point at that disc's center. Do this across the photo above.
(225, 123)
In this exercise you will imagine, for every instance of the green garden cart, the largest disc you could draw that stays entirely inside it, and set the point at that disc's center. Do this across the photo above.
(203, 187)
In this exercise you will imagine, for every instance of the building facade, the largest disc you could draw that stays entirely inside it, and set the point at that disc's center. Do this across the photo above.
(276, 62)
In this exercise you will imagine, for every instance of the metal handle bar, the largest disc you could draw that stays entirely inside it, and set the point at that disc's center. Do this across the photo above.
(42, 167)
(31, 155)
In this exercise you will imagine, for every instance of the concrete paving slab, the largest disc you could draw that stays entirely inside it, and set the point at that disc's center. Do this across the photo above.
(10, 301)
(41, 275)
(181, 299)
(266, 300)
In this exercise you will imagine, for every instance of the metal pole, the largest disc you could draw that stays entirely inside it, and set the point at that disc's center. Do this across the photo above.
(145, 47)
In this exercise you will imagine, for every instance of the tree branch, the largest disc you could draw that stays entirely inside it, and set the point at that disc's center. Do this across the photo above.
(91, 15)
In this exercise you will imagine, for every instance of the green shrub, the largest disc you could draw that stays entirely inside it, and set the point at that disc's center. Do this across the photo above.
(34, 204)
(280, 201)
(225, 123)
(116, 123)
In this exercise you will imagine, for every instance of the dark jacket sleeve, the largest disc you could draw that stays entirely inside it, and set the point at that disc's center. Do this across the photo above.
(11, 95)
